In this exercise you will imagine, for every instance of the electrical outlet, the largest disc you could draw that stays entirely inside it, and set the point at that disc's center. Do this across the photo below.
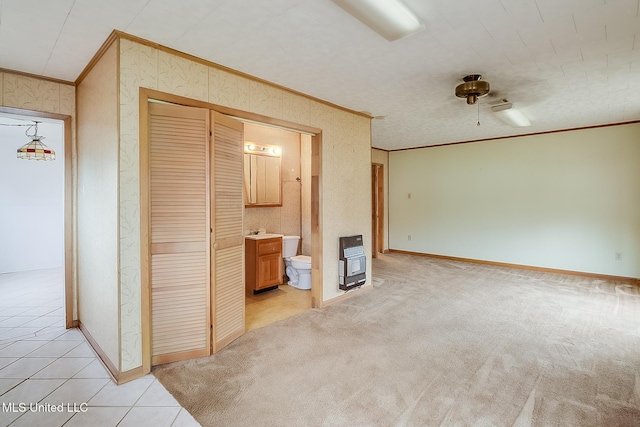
(409, 237)
(618, 256)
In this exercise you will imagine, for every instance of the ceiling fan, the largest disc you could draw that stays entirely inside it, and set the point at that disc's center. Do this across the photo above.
(473, 88)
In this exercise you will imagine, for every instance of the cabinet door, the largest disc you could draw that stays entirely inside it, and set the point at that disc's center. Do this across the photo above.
(269, 270)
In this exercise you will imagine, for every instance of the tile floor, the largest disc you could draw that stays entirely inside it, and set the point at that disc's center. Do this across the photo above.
(43, 365)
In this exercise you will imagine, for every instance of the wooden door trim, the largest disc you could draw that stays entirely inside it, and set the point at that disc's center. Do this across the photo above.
(377, 196)
(380, 236)
(317, 283)
(228, 111)
(145, 232)
(317, 291)
(374, 208)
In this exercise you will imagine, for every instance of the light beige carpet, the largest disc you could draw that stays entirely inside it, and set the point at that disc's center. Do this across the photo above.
(435, 343)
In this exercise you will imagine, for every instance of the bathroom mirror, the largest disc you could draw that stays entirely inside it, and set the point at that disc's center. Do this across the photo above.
(262, 175)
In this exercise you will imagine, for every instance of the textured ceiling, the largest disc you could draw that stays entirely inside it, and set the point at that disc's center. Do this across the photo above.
(564, 63)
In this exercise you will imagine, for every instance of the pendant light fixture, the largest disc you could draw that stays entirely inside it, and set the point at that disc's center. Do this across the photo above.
(35, 149)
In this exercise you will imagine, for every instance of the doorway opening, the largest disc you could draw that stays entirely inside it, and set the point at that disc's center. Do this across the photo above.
(222, 312)
(289, 216)
(36, 221)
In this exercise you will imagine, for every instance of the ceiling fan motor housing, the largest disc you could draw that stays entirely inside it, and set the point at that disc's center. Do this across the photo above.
(472, 88)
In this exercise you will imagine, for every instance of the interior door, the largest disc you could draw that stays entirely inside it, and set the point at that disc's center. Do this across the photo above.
(227, 207)
(180, 225)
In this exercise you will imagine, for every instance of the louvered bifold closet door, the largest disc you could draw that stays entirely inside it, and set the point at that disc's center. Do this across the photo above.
(227, 209)
(180, 232)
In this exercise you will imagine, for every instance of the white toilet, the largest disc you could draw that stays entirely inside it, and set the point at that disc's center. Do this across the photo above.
(298, 268)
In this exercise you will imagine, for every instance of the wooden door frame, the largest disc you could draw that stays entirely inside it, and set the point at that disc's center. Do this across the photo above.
(145, 252)
(69, 193)
(377, 199)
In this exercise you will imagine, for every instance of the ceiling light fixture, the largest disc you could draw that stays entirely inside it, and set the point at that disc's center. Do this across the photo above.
(511, 116)
(472, 88)
(35, 149)
(389, 18)
(267, 150)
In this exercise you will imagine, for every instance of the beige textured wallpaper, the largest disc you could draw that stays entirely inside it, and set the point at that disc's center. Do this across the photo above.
(98, 203)
(35, 94)
(346, 161)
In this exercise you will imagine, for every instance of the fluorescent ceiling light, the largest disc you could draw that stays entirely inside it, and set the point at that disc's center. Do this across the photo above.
(389, 18)
(510, 115)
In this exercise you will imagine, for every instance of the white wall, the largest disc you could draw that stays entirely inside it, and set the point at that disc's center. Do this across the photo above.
(567, 200)
(31, 200)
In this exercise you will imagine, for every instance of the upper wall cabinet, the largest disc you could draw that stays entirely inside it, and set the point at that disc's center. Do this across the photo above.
(262, 175)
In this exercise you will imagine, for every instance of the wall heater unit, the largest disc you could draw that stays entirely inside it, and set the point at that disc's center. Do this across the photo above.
(353, 263)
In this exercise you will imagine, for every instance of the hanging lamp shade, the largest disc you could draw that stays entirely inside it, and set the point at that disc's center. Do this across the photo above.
(35, 149)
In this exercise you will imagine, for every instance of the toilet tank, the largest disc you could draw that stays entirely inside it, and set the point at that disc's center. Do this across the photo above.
(290, 246)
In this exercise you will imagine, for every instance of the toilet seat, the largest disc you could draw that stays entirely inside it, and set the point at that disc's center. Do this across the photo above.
(302, 262)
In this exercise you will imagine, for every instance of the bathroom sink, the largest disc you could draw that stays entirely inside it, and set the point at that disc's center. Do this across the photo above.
(262, 236)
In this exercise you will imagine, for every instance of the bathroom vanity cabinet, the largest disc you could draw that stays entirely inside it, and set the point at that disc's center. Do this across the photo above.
(263, 262)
